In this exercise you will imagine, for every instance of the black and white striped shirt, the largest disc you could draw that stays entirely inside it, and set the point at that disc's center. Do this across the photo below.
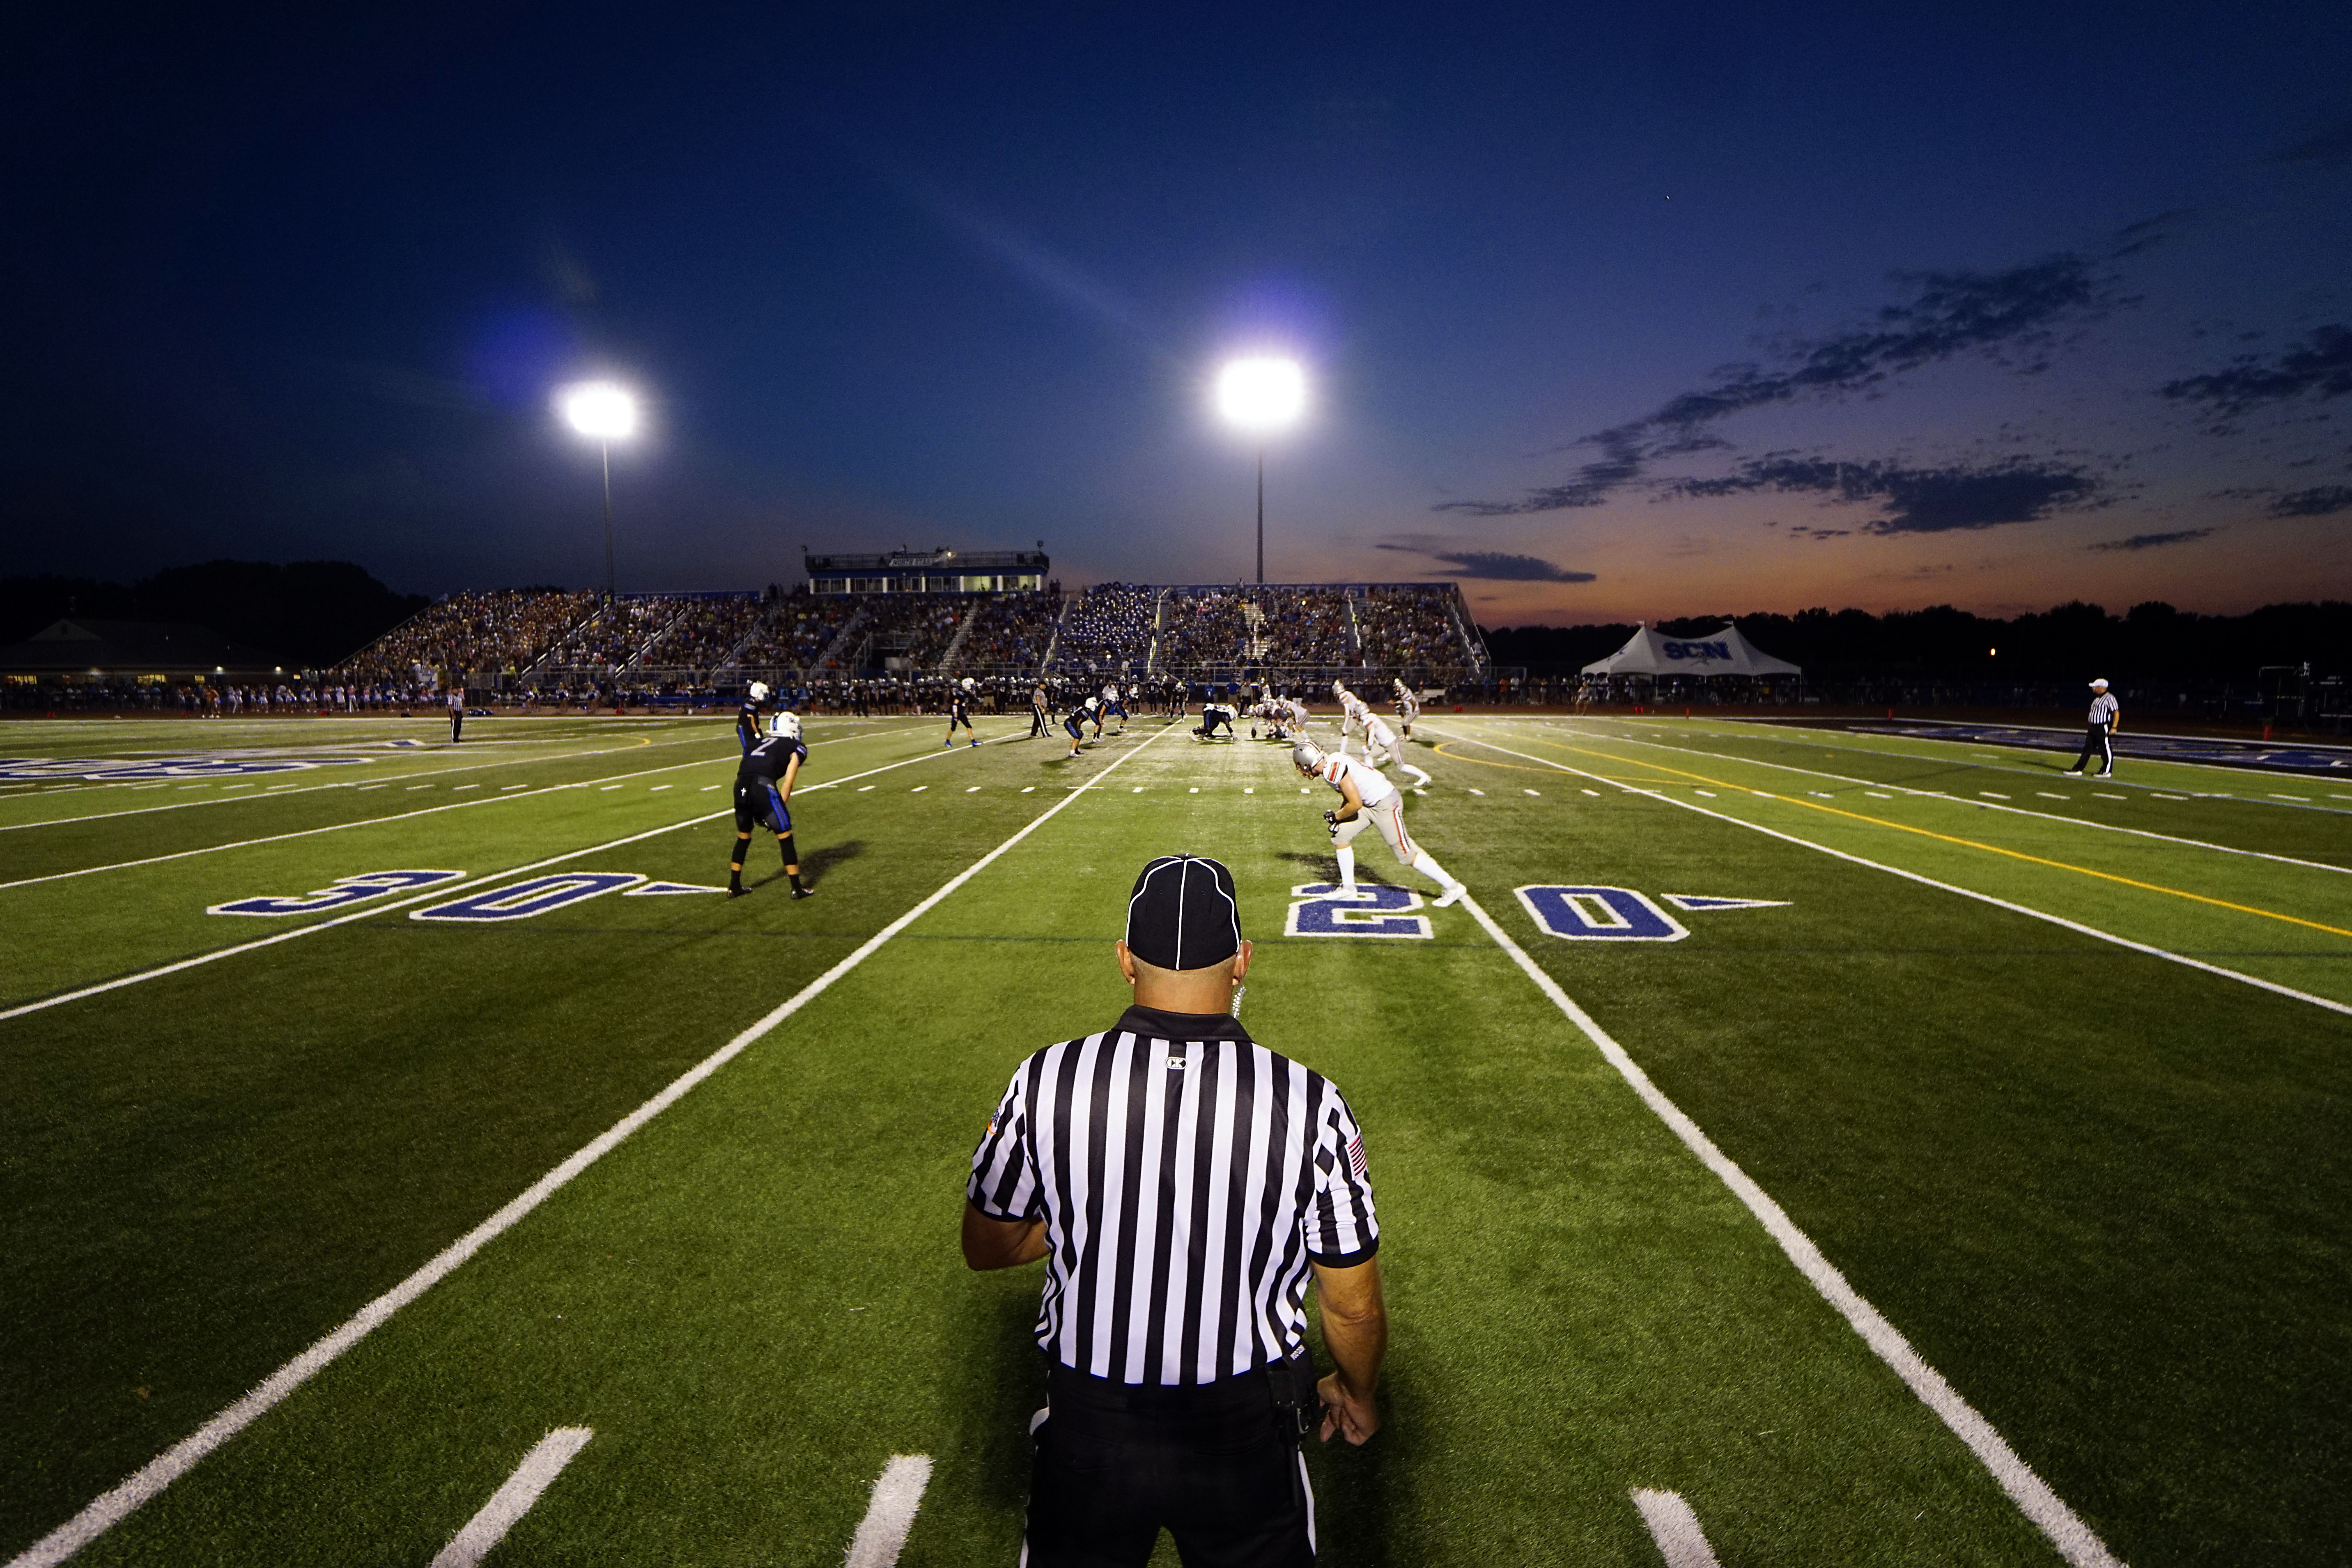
(1186, 1175)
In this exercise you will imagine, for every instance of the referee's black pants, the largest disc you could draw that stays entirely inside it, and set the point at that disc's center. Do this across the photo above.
(2098, 748)
(1118, 1463)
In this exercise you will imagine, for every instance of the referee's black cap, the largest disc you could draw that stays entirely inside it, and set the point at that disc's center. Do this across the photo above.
(1182, 913)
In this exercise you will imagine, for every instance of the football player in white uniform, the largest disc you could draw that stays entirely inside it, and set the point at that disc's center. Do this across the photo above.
(1408, 707)
(1111, 705)
(1366, 796)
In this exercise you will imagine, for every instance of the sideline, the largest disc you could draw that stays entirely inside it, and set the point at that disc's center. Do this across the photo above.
(1793, 735)
(2074, 1540)
(103, 1512)
(642, 741)
(1926, 881)
(398, 817)
(1939, 838)
(470, 885)
(1984, 806)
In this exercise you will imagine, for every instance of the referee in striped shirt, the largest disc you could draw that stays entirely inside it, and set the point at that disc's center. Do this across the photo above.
(1181, 1182)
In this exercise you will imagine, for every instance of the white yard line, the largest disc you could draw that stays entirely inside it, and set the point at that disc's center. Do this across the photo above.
(1794, 736)
(2073, 1539)
(103, 1512)
(203, 958)
(1673, 1526)
(2011, 810)
(600, 785)
(882, 1533)
(395, 756)
(512, 1502)
(2029, 911)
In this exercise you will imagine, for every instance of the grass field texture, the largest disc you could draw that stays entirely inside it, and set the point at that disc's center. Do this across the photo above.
(2047, 1075)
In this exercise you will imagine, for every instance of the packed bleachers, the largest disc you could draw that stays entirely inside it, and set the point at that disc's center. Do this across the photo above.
(1304, 626)
(1107, 627)
(616, 636)
(559, 641)
(1408, 626)
(798, 632)
(705, 633)
(502, 629)
(1204, 625)
(915, 628)
(1011, 630)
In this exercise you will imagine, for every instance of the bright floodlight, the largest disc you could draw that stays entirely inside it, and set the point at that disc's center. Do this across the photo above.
(1262, 393)
(600, 409)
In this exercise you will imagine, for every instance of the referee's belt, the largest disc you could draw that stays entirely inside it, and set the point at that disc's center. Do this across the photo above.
(1247, 1392)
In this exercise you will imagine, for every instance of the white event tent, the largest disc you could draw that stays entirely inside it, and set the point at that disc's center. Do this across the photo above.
(1725, 652)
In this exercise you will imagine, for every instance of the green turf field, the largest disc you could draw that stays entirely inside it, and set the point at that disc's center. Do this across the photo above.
(1982, 1181)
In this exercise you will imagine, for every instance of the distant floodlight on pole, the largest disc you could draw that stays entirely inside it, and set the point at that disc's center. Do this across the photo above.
(604, 413)
(1261, 396)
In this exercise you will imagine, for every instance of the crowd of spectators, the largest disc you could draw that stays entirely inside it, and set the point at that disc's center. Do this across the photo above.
(705, 633)
(620, 629)
(1209, 626)
(1305, 625)
(1108, 628)
(504, 629)
(1011, 630)
(915, 628)
(798, 631)
(1403, 626)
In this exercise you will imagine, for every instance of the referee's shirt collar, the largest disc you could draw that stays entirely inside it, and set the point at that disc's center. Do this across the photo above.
(1161, 1025)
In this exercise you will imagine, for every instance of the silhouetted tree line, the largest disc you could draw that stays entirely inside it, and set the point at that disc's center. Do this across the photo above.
(305, 613)
(2073, 642)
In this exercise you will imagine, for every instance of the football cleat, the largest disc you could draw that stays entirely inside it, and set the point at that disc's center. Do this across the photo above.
(805, 892)
(1452, 895)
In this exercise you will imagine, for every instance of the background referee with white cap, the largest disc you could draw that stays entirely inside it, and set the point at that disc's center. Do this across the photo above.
(1181, 1182)
(2098, 740)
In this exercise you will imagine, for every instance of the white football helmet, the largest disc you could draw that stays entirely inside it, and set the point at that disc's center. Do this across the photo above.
(1307, 756)
(1337, 688)
(788, 725)
(969, 684)
(759, 691)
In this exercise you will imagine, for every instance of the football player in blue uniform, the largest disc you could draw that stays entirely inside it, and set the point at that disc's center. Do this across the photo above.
(959, 710)
(1074, 724)
(747, 717)
(763, 791)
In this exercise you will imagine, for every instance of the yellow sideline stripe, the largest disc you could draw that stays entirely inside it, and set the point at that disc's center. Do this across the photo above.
(1522, 767)
(1966, 843)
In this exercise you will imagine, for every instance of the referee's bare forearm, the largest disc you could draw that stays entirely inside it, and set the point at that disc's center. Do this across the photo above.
(1356, 1332)
(993, 1243)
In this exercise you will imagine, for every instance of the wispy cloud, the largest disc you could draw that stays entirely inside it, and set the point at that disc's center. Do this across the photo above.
(2328, 148)
(1915, 500)
(1495, 565)
(2152, 541)
(2324, 501)
(2321, 364)
(2013, 315)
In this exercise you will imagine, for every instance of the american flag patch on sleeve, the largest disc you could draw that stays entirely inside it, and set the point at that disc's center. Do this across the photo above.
(1356, 1156)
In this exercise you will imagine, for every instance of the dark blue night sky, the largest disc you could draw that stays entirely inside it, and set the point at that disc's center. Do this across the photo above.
(1631, 311)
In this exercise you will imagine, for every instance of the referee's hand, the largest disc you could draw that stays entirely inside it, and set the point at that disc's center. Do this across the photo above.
(1353, 1416)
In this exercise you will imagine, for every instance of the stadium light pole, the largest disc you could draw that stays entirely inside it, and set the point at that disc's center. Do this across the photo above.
(604, 413)
(1261, 396)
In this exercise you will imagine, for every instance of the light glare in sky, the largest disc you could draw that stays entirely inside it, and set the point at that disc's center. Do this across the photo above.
(600, 409)
(1262, 393)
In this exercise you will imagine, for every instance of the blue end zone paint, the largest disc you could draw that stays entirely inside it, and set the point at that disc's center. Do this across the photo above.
(1374, 911)
(524, 899)
(1599, 914)
(19, 770)
(1693, 902)
(345, 891)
